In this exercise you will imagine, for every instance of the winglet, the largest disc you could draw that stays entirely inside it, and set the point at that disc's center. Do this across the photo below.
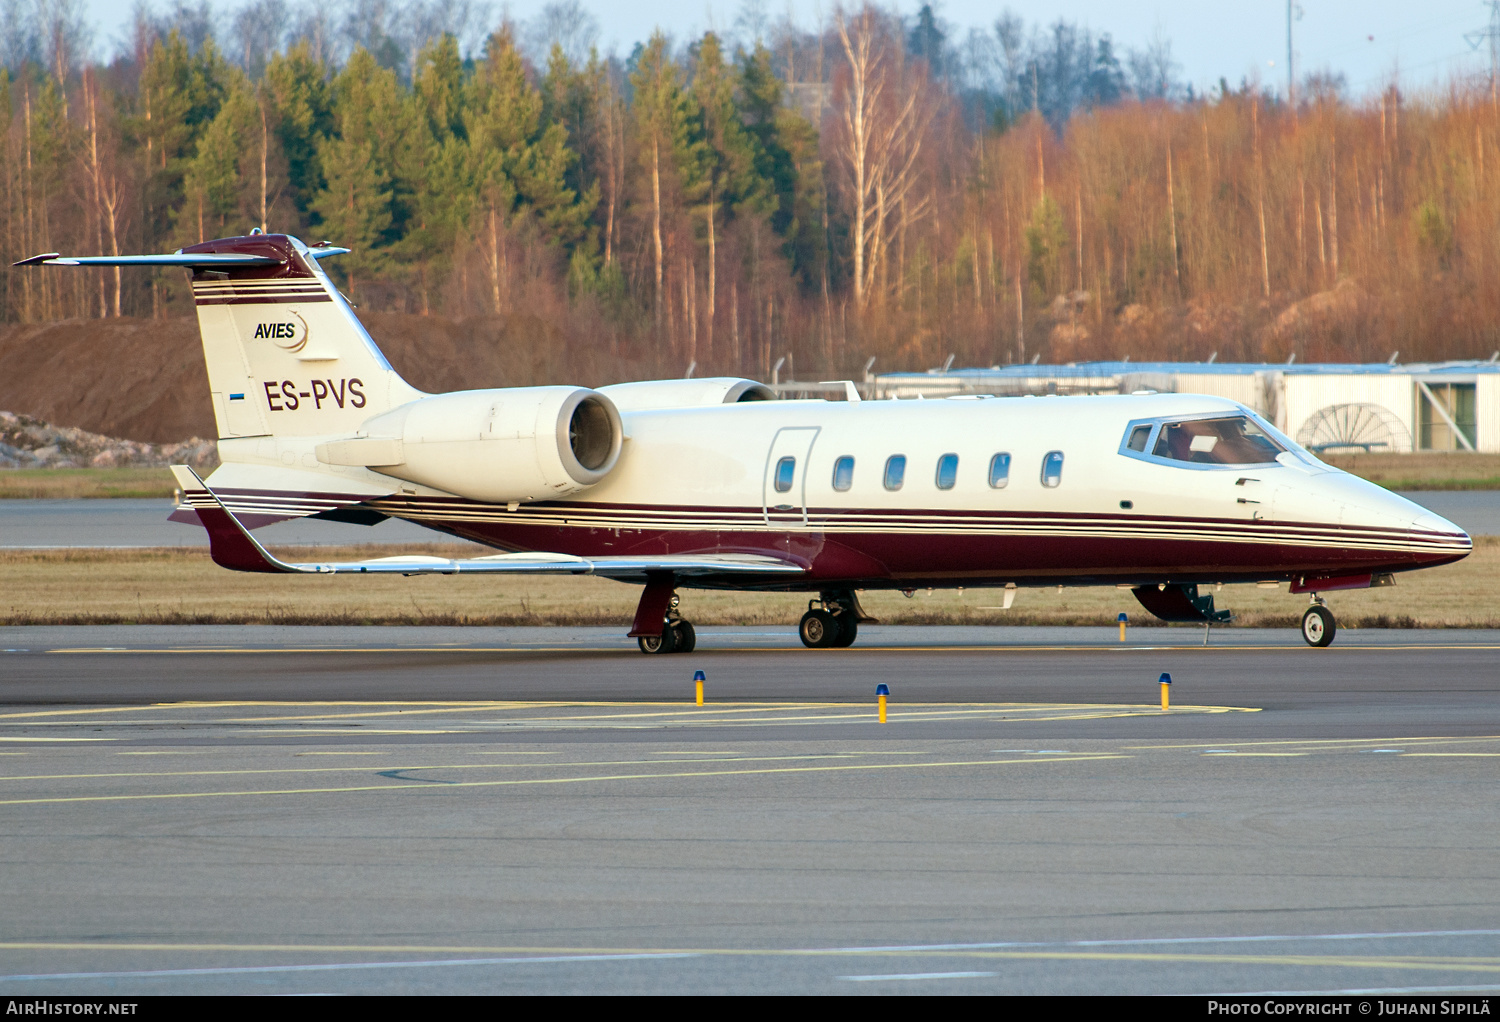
(229, 543)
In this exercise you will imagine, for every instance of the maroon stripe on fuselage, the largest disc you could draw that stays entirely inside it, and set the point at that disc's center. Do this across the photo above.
(899, 560)
(874, 557)
(1203, 550)
(459, 512)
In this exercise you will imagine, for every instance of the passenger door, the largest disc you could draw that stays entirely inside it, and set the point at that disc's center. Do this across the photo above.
(784, 489)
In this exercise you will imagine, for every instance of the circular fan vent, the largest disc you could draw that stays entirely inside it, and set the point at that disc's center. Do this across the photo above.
(1354, 427)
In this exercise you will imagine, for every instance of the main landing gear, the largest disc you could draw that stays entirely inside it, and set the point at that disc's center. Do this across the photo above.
(1318, 625)
(677, 633)
(831, 621)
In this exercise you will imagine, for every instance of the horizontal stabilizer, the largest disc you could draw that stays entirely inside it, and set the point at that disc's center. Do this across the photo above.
(232, 546)
(196, 260)
(189, 260)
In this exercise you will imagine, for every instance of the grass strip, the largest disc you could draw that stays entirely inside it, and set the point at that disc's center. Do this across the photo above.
(67, 483)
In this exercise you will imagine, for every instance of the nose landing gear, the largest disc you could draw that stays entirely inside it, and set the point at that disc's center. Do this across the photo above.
(832, 620)
(1318, 624)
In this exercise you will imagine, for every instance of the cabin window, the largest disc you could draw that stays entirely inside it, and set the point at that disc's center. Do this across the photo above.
(947, 471)
(1138, 438)
(1000, 470)
(786, 468)
(1232, 440)
(895, 471)
(843, 473)
(1052, 469)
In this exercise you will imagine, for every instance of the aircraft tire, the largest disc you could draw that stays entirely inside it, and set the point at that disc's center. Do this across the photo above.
(848, 630)
(666, 642)
(1318, 627)
(818, 629)
(687, 637)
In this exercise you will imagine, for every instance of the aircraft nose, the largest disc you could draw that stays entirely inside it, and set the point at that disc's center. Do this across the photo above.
(1434, 523)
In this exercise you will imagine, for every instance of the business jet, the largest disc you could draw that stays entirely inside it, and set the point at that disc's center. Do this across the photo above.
(711, 484)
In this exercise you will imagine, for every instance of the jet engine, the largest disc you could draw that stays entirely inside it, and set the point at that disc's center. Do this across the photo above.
(651, 395)
(518, 444)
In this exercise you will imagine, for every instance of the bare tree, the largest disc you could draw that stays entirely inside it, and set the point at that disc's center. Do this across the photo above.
(879, 137)
(419, 23)
(751, 22)
(566, 23)
(371, 25)
(20, 40)
(1153, 71)
(65, 36)
(193, 22)
(317, 30)
(1008, 33)
(257, 29)
(106, 189)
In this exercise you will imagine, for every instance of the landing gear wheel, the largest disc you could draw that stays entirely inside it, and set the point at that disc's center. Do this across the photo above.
(1318, 626)
(818, 629)
(666, 642)
(848, 630)
(687, 638)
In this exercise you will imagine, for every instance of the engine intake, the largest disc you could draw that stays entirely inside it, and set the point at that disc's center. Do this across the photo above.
(516, 444)
(652, 395)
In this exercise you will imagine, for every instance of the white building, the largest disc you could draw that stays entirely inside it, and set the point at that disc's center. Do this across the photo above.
(1440, 406)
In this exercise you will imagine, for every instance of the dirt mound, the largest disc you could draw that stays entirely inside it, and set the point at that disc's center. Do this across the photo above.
(144, 379)
(141, 379)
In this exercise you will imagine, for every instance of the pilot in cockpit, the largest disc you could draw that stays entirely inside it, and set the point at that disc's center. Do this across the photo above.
(1228, 441)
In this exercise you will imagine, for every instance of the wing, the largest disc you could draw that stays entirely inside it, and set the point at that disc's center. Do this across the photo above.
(232, 546)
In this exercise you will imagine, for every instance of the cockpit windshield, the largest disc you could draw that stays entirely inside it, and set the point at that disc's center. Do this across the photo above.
(1233, 440)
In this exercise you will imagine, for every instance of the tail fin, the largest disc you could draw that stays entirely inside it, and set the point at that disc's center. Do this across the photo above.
(286, 355)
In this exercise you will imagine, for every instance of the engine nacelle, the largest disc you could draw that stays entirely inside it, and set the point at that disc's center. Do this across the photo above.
(513, 445)
(651, 395)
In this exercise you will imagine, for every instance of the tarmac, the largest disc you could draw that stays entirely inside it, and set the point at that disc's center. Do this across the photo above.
(305, 810)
